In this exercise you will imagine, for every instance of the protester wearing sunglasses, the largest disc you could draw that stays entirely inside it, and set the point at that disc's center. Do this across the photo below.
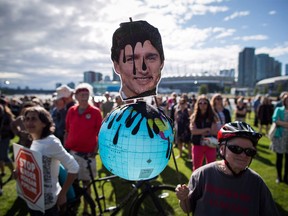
(203, 126)
(229, 186)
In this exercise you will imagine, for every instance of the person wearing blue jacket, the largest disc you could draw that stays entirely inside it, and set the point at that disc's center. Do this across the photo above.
(280, 139)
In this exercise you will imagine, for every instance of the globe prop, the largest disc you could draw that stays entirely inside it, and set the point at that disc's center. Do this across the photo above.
(135, 141)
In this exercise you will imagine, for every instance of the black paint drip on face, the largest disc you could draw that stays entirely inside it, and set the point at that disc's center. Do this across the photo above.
(144, 66)
(147, 112)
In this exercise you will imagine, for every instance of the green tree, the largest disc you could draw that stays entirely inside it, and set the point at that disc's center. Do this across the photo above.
(279, 88)
(203, 89)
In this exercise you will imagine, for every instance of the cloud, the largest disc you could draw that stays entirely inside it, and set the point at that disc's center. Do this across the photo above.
(273, 12)
(237, 14)
(277, 51)
(252, 37)
(44, 42)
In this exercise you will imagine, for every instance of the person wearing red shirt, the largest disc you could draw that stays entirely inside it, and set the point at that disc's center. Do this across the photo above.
(83, 122)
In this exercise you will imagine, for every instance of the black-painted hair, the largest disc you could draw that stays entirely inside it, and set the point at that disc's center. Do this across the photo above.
(133, 32)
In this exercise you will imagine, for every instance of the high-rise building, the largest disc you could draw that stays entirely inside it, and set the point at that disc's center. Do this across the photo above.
(115, 76)
(262, 66)
(277, 68)
(91, 77)
(253, 68)
(286, 69)
(267, 67)
(246, 68)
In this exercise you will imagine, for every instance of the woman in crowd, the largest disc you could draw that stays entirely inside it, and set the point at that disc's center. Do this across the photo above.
(280, 139)
(227, 105)
(241, 110)
(249, 107)
(218, 107)
(203, 125)
(265, 112)
(183, 134)
(19, 129)
(39, 124)
(6, 134)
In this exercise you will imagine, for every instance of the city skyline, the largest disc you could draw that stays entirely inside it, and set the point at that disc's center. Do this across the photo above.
(44, 43)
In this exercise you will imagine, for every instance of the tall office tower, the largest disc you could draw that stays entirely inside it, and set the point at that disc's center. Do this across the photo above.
(277, 68)
(247, 68)
(262, 67)
(115, 77)
(91, 77)
(286, 70)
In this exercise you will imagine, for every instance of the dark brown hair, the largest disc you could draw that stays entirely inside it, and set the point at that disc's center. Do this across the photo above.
(45, 117)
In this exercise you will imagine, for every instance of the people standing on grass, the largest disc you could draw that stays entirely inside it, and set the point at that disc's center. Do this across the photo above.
(182, 122)
(203, 124)
(256, 104)
(38, 122)
(107, 105)
(280, 140)
(6, 134)
(265, 112)
(229, 186)
(171, 103)
(241, 110)
(227, 105)
(59, 115)
(249, 107)
(83, 122)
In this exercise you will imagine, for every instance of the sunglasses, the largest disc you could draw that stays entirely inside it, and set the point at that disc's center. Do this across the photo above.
(238, 150)
(219, 98)
(202, 103)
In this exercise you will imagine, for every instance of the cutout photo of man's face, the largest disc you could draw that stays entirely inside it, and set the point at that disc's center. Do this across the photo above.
(139, 71)
(138, 58)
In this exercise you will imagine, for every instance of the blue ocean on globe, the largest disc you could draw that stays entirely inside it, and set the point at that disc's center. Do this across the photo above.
(135, 141)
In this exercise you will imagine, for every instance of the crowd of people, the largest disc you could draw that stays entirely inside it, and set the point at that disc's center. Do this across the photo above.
(76, 117)
(65, 130)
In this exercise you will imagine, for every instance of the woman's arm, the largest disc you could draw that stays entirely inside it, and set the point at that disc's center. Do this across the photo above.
(65, 187)
(199, 131)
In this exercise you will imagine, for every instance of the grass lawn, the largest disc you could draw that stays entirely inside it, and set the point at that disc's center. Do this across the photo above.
(264, 164)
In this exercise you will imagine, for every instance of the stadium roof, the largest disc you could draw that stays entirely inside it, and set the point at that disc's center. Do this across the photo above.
(272, 80)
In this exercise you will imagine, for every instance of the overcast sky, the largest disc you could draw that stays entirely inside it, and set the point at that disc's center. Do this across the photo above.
(45, 42)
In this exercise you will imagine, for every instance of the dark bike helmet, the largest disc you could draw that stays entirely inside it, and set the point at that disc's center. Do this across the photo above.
(238, 129)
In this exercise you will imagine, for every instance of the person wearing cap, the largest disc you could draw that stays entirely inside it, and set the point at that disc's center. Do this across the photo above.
(65, 93)
(83, 122)
(229, 186)
(138, 58)
(63, 100)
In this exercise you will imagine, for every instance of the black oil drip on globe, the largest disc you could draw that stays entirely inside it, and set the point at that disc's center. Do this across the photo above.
(139, 108)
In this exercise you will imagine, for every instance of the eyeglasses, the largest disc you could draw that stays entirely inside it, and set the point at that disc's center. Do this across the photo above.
(218, 98)
(200, 103)
(238, 150)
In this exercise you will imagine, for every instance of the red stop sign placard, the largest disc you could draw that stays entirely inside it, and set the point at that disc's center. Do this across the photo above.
(29, 175)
